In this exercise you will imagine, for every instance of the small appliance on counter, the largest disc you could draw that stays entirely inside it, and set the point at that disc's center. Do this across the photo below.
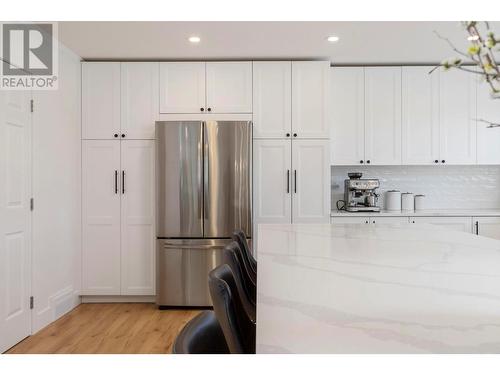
(393, 200)
(360, 194)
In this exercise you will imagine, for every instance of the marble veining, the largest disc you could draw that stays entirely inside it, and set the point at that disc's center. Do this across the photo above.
(380, 289)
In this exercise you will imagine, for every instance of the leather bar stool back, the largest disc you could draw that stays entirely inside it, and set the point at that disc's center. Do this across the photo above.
(239, 236)
(201, 335)
(237, 327)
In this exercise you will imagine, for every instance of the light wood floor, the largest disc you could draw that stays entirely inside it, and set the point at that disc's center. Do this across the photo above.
(123, 328)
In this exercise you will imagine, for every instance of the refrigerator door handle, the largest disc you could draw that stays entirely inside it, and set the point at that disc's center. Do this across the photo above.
(206, 172)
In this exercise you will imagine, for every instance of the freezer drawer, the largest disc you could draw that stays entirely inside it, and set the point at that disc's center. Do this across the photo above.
(182, 270)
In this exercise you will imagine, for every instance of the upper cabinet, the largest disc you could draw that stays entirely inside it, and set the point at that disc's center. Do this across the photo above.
(457, 117)
(229, 87)
(199, 87)
(272, 99)
(310, 99)
(488, 139)
(420, 112)
(348, 116)
(100, 100)
(139, 99)
(383, 115)
(182, 87)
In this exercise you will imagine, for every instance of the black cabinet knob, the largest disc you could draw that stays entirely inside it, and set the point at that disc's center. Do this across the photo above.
(443, 161)
(202, 109)
(436, 161)
(368, 162)
(361, 162)
(287, 134)
(366, 221)
(116, 135)
(123, 135)
(294, 134)
(209, 109)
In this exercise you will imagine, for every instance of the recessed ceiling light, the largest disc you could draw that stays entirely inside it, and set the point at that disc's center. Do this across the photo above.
(194, 39)
(473, 38)
(333, 38)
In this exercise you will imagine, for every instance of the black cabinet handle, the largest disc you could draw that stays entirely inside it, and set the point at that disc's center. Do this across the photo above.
(368, 162)
(361, 162)
(436, 161)
(366, 221)
(443, 161)
(123, 135)
(288, 181)
(116, 135)
(295, 177)
(287, 134)
(116, 181)
(209, 109)
(202, 109)
(477, 227)
(123, 182)
(295, 134)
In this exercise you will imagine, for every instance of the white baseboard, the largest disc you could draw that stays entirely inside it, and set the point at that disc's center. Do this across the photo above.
(118, 299)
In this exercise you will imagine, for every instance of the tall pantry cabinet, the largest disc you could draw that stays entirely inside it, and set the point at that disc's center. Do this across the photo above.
(291, 142)
(119, 108)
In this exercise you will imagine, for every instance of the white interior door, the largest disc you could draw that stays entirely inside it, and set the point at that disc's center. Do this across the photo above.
(139, 99)
(101, 217)
(182, 87)
(272, 181)
(348, 116)
(420, 127)
(311, 181)
(138, 218)
(100, 100)
(229, 87)
(383, 115)
(272, 99)
(15, 217)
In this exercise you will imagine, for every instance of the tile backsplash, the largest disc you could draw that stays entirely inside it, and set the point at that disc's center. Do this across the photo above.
(445, 187)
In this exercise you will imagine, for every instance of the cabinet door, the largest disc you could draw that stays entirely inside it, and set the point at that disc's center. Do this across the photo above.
(100, 100)
(389, 220)
(310, 181)
(101, 217)
(420, 112)
(487, 226)
(272, 99)
(457, 113)
(488, 139)
(310, 99)
(139, 100)
(461, 224)
(383, 115)
(138, 218)
(272, 181)
(182, 87)
(350, 220)
(348, 116)
(229, 87)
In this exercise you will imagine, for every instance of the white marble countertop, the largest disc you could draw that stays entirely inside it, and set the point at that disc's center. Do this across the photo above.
(326, 288)
(449, 212)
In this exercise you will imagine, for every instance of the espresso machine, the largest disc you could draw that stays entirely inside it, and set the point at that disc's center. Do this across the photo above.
(360, 194)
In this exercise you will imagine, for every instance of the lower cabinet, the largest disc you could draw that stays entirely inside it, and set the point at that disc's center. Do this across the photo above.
(487, 226)
(291, 181)
(462, 224)
(118, 219)
(369, 220)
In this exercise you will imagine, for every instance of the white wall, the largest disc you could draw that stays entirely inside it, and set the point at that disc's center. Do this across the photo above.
(449, 186)
(56, 189)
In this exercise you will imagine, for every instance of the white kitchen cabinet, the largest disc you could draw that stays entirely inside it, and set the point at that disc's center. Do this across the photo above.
(118, 209)
(369, 219)
(310, 99)
(487, 226)
(457, 114)
(272, 180)
(488, 139)
(311, 181)
(139, 99)
(182, 87)
(462, 224)
(348, 115)
(100, 100)
(420, 113)
(272, 97)
(229, 87)
(138, 218)
(100, 217)
(350, 220)
(383, 115)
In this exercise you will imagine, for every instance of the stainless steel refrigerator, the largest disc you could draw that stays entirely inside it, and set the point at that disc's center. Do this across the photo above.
(204, 171)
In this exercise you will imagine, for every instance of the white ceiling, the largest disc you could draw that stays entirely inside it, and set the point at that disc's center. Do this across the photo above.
(360, 42)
